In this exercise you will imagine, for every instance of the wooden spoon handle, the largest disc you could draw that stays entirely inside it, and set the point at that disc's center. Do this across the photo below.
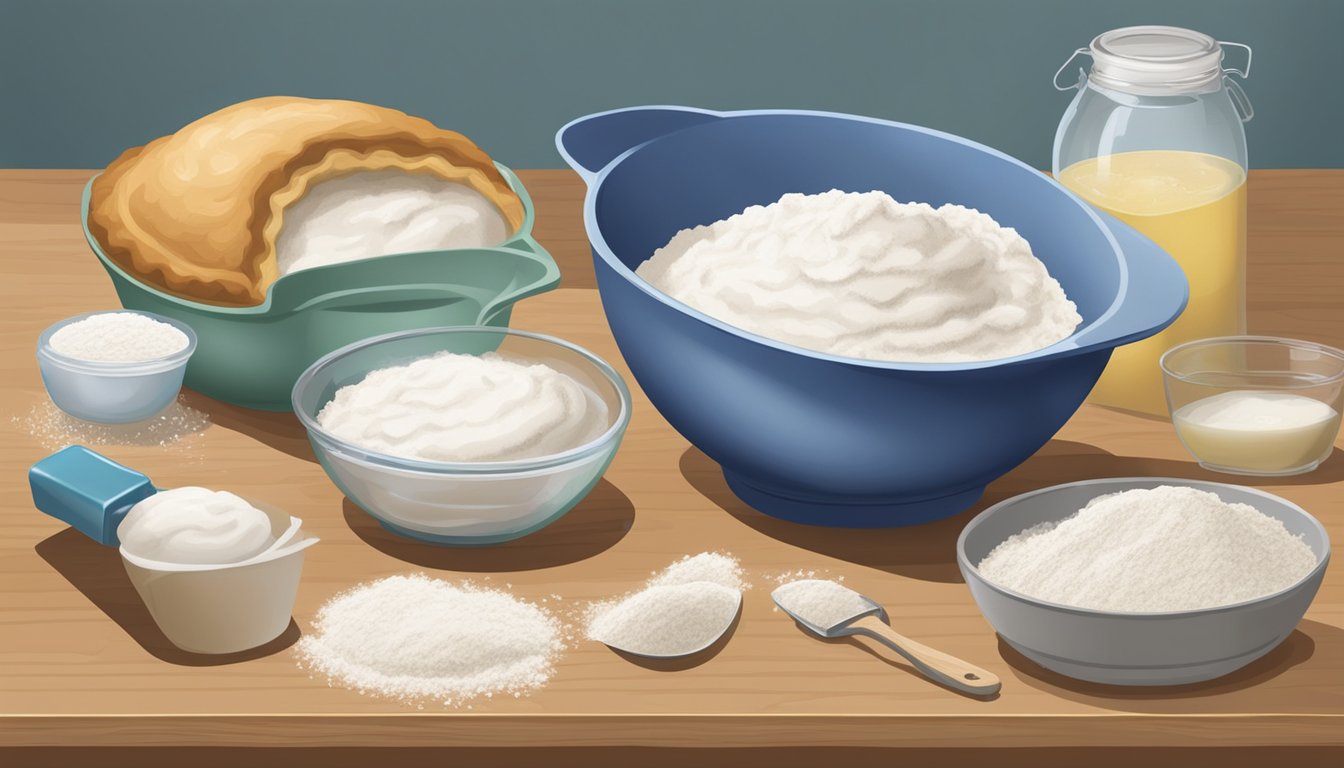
(934, 664)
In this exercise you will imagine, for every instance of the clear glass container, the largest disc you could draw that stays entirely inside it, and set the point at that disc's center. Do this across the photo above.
(1256, 405)
(1154, 137)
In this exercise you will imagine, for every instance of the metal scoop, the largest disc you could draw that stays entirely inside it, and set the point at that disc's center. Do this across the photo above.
(709, 642)
(933, 664)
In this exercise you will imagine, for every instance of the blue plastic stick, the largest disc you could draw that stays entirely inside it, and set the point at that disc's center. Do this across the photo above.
(87, 490)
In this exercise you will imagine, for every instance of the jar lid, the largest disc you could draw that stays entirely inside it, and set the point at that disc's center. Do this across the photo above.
(1153, 60)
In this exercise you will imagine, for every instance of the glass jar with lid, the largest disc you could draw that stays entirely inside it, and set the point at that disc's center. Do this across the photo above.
(1154, 137)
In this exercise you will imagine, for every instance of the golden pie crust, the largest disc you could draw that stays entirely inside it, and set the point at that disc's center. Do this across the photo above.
(196, 214)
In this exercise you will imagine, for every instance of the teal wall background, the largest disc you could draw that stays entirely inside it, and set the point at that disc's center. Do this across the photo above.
(80, 80)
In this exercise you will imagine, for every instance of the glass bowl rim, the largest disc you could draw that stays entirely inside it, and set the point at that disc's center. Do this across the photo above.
(1281, 341)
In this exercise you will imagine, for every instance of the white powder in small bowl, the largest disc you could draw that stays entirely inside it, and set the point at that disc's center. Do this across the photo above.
(681, 610)
(1168, 548)
(118, 337)
(413, 638)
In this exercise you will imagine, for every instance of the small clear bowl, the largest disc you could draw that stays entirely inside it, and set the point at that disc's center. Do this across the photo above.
(462, 504)
(112, 392)
(1255, 405)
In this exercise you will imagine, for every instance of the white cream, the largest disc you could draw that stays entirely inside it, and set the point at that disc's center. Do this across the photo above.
(861, 275)
(376, 213)
(1258, 431)
(195, 526)
(466, 408)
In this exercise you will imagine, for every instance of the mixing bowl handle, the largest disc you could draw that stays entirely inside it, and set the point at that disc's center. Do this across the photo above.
(590, 143)
(1155, 294)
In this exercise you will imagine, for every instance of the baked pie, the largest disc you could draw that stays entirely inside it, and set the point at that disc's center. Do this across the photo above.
(219, 210)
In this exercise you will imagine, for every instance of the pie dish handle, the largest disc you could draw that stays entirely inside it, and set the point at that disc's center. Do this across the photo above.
(592, 142)
(1152, 297)
(545, 280)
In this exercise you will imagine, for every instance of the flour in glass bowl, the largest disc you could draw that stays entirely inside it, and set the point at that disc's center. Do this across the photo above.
(862, 275)
(466, 408)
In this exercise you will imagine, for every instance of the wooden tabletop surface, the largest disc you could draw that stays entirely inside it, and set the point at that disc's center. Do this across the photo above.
(81, 663)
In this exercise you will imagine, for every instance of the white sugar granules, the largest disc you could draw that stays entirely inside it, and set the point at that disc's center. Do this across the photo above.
(1162, 549)
(118, 337)
(715, 567)
(682, 609)
(862, 275)
(414, 638)
(821, 602)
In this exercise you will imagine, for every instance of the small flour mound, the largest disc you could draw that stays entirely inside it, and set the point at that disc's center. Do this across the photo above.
(682, 609)
(671, 620)
(821, 602)
(714, 567)
(118, 337)
(1161, 549)
(413, 638)
(862, 275)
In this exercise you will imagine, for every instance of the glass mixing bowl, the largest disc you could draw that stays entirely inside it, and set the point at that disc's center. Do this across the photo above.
(472, 503)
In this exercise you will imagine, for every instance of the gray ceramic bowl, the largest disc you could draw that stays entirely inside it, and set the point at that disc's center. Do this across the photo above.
(1167, 648)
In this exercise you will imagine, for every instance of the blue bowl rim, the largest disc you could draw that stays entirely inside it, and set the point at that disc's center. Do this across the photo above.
(111, 367)
(349, 451)
(1063, 348)
(968, 569)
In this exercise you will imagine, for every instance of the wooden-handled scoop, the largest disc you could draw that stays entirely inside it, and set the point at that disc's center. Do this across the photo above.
(870, 620)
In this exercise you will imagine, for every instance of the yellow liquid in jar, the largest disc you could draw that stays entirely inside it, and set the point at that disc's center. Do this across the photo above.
(1193, 205)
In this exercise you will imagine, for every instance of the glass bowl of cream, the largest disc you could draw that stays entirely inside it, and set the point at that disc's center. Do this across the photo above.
(1255, 405)
(463, 435)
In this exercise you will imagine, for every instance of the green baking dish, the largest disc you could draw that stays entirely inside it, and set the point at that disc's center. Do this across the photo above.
(251, 356)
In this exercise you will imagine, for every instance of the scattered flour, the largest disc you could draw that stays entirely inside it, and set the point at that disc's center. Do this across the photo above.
(821, 602)
(681, 610)
(414, 638)
(465, 408)
(176, 426)
(1162, 549)
(861, 275)
(118, 337)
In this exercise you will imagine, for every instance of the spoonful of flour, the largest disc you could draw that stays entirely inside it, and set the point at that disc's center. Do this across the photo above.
(682, 610)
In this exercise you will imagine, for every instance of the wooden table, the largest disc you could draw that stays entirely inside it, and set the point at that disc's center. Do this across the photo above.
(82, 666)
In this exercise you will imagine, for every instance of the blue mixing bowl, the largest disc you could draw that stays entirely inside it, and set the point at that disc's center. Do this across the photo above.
(822, 439)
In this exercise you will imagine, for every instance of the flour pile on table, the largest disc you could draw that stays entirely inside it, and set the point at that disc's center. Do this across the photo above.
(415, 638)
